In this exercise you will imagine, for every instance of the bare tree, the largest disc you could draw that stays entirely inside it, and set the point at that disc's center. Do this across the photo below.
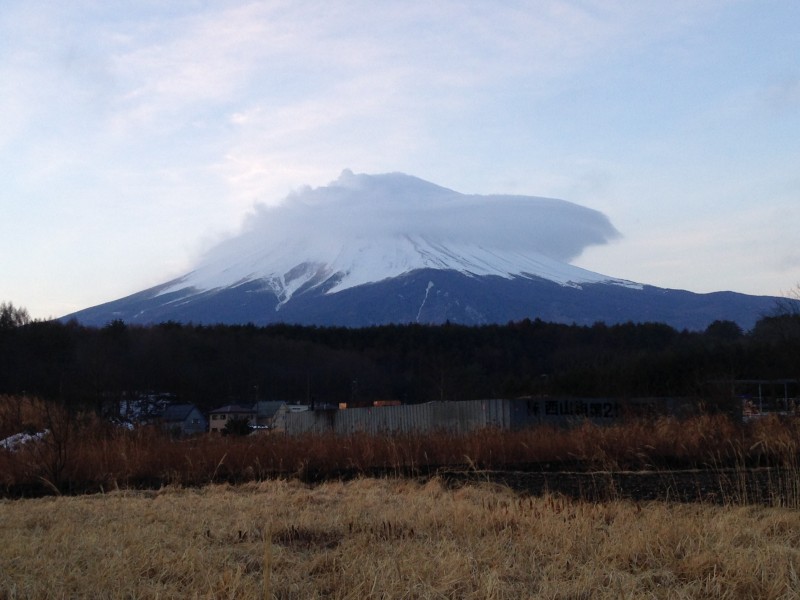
(12, 316)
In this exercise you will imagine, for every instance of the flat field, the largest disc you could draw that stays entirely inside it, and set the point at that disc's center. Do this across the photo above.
(390, 538)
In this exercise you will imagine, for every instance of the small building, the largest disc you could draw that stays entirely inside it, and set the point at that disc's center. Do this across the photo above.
(265, 413)
(183, 419)
(219, 417)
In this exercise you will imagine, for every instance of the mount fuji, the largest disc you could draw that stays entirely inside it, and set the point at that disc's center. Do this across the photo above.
(378, 249)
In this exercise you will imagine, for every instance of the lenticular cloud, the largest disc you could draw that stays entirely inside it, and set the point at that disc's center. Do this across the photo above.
(382, 207)
(366, 228)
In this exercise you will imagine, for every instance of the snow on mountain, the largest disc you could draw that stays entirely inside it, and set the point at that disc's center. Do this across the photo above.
(367, 228)
(371, 250)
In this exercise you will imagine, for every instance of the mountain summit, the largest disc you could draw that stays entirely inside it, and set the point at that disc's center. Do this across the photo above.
(367, 228)
(375, 249)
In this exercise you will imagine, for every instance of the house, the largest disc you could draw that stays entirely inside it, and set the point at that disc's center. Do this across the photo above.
(184, 419)
(220, 416)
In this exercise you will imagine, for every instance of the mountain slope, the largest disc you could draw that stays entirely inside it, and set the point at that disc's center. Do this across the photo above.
(369, 250)
(436, 296)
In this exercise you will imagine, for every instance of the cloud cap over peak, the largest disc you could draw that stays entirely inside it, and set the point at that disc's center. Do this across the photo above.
(387, 206)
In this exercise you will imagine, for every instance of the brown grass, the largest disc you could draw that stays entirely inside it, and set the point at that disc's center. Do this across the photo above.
(389, 538)
(82, 453)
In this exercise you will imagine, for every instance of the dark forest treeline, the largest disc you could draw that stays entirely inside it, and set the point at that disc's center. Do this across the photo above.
(213, 365)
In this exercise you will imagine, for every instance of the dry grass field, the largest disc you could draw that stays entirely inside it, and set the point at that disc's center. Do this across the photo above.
(78, 452)
(389, 538)
(167, 524)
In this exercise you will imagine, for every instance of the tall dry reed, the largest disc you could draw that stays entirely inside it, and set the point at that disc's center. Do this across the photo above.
(83, 453)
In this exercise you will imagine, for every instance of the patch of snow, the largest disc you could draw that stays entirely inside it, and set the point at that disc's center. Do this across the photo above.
(425, 299)
(16, 441)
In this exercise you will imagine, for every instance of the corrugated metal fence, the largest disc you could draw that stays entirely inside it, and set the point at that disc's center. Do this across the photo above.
(469, 415)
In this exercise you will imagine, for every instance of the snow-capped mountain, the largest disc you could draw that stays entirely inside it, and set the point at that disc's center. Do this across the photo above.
(374, 249)
(364, 229)
(290, 266)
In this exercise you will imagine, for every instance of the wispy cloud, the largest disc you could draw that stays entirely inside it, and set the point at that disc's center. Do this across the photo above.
(169, 120)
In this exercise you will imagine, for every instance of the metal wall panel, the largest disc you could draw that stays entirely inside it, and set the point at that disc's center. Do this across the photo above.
(455, 417)
(469, 415)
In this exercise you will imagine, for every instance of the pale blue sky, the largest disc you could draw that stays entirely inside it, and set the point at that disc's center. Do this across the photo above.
(135, 134)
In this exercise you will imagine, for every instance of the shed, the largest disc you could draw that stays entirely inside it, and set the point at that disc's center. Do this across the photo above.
(265, 412)
(185, 419)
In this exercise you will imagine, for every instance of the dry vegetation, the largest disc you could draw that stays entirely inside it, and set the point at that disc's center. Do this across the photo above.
(84, 454)
(389, 538)
(275, 535)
